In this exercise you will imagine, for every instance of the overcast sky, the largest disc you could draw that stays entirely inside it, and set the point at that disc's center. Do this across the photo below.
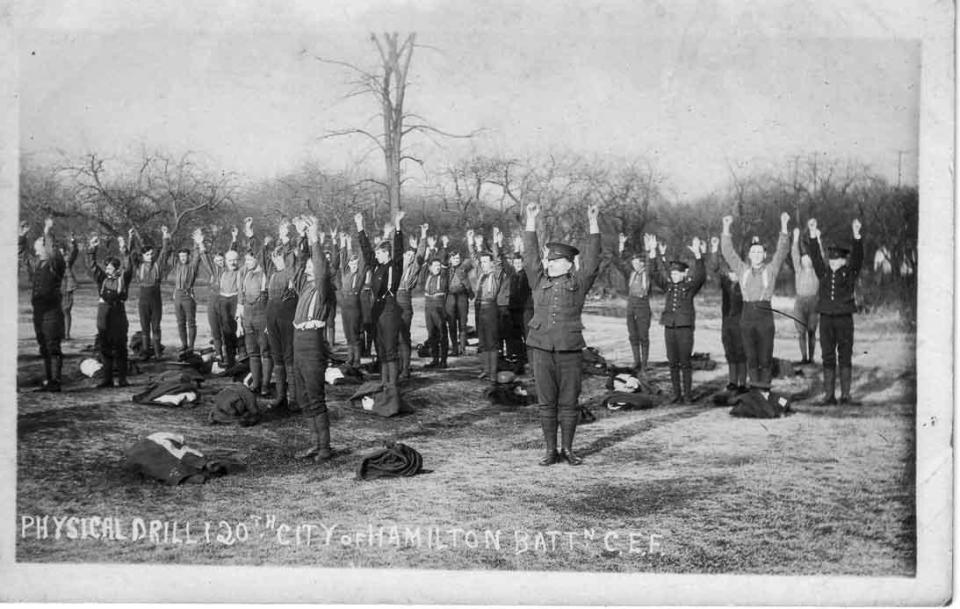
(691, 86)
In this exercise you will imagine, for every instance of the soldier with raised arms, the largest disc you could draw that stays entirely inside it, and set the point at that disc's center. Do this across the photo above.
(556, 329)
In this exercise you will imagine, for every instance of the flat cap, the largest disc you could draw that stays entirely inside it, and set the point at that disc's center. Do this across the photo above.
(678, 265)
(837, 250)
(561, 250)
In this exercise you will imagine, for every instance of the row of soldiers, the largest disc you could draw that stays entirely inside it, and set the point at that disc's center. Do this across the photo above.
(262, 302)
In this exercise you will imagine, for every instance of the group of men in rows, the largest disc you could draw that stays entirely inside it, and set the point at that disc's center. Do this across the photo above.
(282, 300)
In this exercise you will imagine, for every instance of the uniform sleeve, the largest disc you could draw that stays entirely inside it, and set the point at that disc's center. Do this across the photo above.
(591, 262)
(813, 248)
(93, 268)
(657, 269)
(366, 252)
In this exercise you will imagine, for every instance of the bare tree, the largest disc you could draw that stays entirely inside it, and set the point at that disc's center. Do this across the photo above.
(389, 87)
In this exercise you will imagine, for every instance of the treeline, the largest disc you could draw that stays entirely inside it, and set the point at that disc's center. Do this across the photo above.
(106, 196)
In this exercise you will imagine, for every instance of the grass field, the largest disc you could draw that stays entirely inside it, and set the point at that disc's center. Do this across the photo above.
(686, 489)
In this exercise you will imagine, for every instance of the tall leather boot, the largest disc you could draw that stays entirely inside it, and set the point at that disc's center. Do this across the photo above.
(281, 398)
(256, 370)
(846, 378)
(107, 373)
(313, 449)
(267, 363)
(191, 337)
(687, 376)
(323, 438)
(404, 351)
(549, 427)
(568, 428)
(645, 357)
(156, 345)
(829, 387)
(812, 344)
(804, 357)
(47, 371)
(675, 382)
(182, 330)
(637, 361)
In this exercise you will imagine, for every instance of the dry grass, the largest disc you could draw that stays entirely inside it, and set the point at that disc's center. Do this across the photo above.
(827, 490)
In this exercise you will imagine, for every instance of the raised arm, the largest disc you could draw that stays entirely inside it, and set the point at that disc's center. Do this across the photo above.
(783, 245)
(698, 248)
(657, 265)
(726, 247)
(93, 268)
(856, 261)
(531, 246)
(366, 252)
(591, 257)
(795, 250)
(814, 248)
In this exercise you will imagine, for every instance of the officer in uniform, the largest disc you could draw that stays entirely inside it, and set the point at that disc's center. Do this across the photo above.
(757, 281)
(412, 262)
(556, 329)
(678, 317)
(434, 310)
(637, 281)
(46, 268)
(310, 349)
(148, 267)
(386, 268)
(805, 305)
(838, 279)
(185, 271)
(458, 298)
(113, 283)
(731, 307)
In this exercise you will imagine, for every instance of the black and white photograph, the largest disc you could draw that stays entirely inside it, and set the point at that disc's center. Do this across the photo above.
(526, 303)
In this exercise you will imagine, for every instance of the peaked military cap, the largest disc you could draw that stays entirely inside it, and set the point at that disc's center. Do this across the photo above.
(678, 265)
(561, 250)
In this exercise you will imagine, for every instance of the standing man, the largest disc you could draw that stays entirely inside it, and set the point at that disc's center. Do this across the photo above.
(556, 330)
(113, 284)
(148, 268)
(679, 317)
(352, 274)
(489, 286)
(252, 316)
(46, 268)
(731, 307)
(805, 306)
(412, 261)
(284, 262)
(637, 280)
(836, 305)
(386, 267)
(459, 294)
(216, 265)
(757, 281)
(185, 270)
(435, 313)
(230, 284)
(69, 286)
(311, 353)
